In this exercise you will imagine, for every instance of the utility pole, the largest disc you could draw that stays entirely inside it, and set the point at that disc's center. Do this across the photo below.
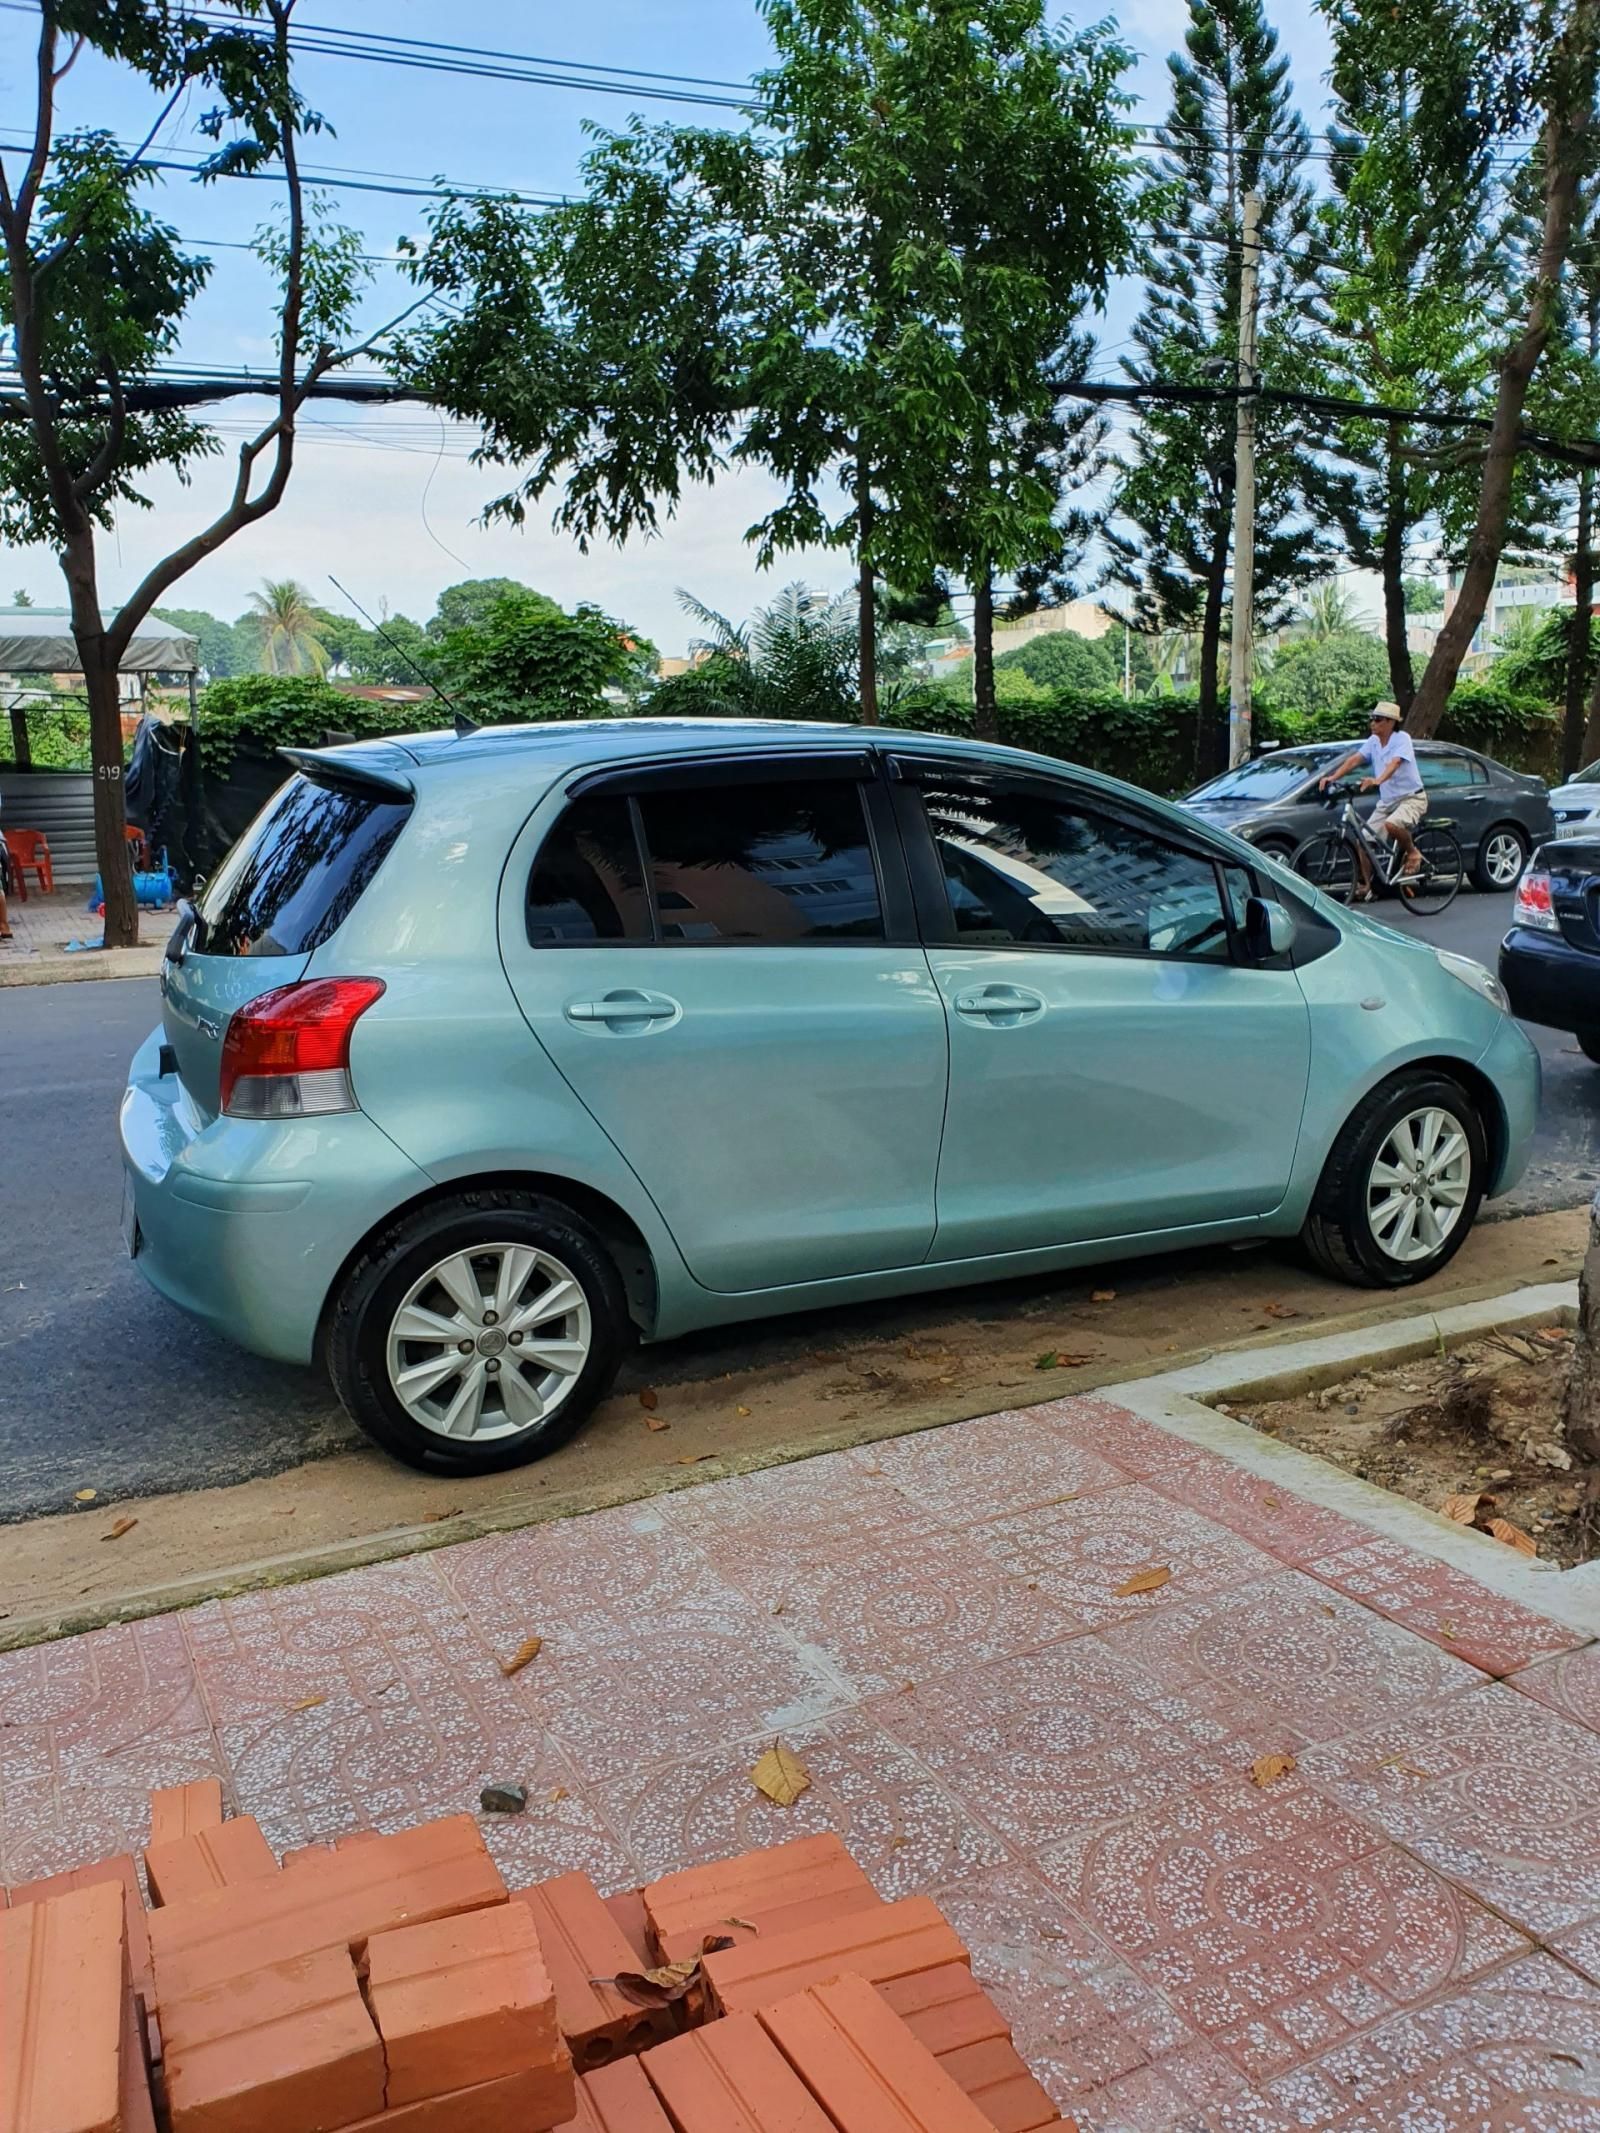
(1244, 492)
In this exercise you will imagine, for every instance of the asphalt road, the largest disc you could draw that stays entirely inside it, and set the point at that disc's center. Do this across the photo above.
(102, 1385)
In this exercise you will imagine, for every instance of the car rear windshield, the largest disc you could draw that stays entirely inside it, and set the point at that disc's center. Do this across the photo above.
(1269, 777)
(299, 869)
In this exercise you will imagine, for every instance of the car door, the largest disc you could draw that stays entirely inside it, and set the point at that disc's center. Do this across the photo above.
(1458, 793)
(1116, 1066)
(721, 959)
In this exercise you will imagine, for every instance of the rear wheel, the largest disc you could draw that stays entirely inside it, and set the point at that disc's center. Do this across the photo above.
(479, 1332)
(1328, 863)
(1501, 858)
(1402, 1185)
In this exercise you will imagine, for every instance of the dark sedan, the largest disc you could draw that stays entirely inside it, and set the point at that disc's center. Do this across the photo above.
(1498, 815)
(1550, 960)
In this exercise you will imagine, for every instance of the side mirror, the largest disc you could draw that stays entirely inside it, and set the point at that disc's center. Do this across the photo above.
(1268, 930)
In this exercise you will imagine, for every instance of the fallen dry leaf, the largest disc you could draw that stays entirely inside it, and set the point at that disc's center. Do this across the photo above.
(656, 1988)
(116, 1531)
(1513, 1536)
(695, 1458)
(1102, 1296)
(649, 1398)
(84, 1495)
(1447, 1630)
(654, 1422)
(742, 1412)
(1150, 1580)
(1464, 1508)
(1398, 1763)
(433, 1518)
(1281, 1310)
(1566, 2059)
(743, 1924)
(528, 1650)
(781, 1775)
(1061, 1359)
(1267, 1769)
(1271, 1503)
(556, 1792)
(308, 1703)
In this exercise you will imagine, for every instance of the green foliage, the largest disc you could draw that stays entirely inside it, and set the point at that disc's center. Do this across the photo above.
(1314, 674)
(296, 711)
(468, 603)
(1535, 664)
(1422, 596)
(527, 659)
(401, 652)
(224, 649)
(1064, 660)
(286, 629)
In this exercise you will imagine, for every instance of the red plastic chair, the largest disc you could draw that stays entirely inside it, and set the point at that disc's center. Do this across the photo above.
(139, 849)
(30, 853)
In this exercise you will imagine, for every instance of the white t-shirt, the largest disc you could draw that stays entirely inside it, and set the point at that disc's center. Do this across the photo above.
(1397, 749)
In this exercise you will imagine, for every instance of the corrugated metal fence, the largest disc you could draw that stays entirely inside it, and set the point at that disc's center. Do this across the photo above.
(59, 802)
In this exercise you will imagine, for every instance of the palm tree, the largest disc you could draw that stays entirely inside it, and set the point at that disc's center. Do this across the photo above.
(1329, 612)
(287, 626)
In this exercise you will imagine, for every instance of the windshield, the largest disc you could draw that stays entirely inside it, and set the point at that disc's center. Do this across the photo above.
(1269, 777)
(1588, 776)
(298, 870)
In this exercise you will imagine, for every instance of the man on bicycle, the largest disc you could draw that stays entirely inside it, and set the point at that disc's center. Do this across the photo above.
(1391, 763)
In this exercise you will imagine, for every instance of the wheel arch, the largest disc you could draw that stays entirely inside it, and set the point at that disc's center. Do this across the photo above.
(1472, 1081)
(617, 1230)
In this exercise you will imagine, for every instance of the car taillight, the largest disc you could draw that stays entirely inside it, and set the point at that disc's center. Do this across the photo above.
(287, 1053)
(1533, 906)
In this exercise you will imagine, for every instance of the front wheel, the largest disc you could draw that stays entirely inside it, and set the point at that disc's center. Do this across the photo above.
(479, 1332)
(1327, 862)
(1402, 1185)
(1437, 882)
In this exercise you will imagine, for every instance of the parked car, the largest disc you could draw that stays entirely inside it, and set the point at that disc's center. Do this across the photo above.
(1576, 805)
(1550, 960)
(482, 1057)
(1498, 815)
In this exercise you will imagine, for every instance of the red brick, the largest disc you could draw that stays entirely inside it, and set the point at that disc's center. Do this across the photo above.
(995, 2076)
(290, 2045)
(582, 1945)
(518, 2103)
(120, 1869)
(780, 1890)
(731, 2078)
(893, 1941)
(135, 2108)
(460, 2001)
(630, 1919)
(950, 2013)
(63, 1976)
(864, 2066)
(618, 2099)
(216, 1858)
(184, 1810)
(430, 1871)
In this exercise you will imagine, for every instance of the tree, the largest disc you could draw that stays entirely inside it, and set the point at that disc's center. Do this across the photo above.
(1548, 65)
(525, 656)
(1232, 128)
(221, 652)
(1324, 673)
(1422, 596)
(285, 627)
(464, 605)
(21, 598)
(94, 291)
(1410, 280)
(1064, 660)
(809, 296)
(1328, 612)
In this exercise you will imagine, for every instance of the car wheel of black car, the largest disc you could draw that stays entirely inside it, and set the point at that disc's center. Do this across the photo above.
(479, 1332)
(1279, 848)
(1502, 855)
(1401, 1187)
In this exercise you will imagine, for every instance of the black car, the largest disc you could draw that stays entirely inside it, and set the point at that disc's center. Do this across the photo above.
(1498, 815)
(1550, 960)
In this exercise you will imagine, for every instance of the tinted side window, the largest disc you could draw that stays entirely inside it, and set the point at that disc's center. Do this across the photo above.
(1441, 771)
(586, 884)
(786, 862)
(298, 871)
(1022, 868)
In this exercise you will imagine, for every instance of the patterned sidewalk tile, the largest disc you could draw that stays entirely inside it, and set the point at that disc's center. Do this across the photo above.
(1078, 1554)
(1569, 1684)
(1069, 1738)
(915, 1608)
(1514, 2052)
(1491, 1790)
(59, 1810)
(823, 1507)
(105, 1691)
(1580, 1948)
(1317, 1663)
(1275, 1924)
(906, 1829)
(991, 1468)
(1267, 1513)
(1142, 1449)
(1107, 2048)
(1445, 1605)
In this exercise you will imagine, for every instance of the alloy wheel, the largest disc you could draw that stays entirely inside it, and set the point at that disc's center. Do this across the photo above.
(1502, 858)
(1418, 1184)
(489, 1342)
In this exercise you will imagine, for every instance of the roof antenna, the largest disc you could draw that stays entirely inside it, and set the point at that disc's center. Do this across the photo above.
(464, 725)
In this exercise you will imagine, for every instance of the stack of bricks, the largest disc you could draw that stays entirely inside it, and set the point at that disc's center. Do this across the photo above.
(392, 1984)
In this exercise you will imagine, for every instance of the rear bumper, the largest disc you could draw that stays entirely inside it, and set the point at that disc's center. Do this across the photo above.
(1549, 981)
(246, 1223)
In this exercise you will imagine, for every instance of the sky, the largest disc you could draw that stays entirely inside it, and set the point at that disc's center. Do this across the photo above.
(387, 499)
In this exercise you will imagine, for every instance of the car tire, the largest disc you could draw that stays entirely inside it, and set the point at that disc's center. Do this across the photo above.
(1589, 1044)
(1280, 848)
(514, 1248)
(1502, 855)
(1344, 1233)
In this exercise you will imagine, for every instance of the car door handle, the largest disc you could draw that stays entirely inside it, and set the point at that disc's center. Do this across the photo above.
(625, 1010)
(1001, 1006)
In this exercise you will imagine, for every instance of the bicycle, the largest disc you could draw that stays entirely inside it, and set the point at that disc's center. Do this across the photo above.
(1327, 859)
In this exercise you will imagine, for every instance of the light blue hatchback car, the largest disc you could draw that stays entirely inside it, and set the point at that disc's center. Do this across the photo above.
(483, 1056)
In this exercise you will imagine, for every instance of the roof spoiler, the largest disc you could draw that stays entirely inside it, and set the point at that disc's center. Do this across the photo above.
(333, 766)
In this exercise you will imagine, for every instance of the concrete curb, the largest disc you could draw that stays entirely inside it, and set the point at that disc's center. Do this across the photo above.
(1183, 1403)
(91, 963)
